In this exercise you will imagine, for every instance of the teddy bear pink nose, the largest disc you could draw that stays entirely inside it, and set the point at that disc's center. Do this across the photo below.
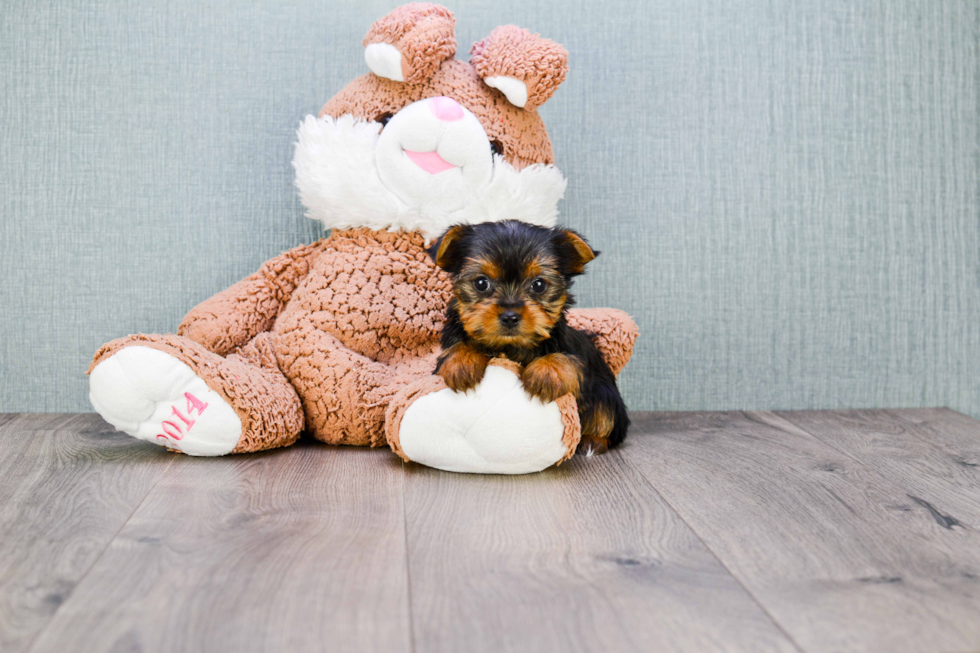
(446, 108)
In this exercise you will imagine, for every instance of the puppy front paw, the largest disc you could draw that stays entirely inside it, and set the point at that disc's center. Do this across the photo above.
(552, 376)
(462, 367)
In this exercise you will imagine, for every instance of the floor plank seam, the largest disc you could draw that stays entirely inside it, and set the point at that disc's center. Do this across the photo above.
(942, 518)
(870, 469)
(738, 580)
(408, 567)
(827, 443)
(846, 454)
(96, 560)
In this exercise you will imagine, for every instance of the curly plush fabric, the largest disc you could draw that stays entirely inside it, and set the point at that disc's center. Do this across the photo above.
(423, 33)
(573, 426)
(365, 322)
(613, 331)
(250, 307)
(510, 51)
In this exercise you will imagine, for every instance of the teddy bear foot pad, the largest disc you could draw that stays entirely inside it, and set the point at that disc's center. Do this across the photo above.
(154, 397)
(495, 428)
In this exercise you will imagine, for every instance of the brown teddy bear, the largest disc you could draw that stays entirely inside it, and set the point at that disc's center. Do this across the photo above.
(340, 337)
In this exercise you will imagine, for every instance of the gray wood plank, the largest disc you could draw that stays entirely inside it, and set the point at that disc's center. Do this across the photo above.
(934, 453)
(68, 483)
(839, 555)
(300, 549)
(585, 557)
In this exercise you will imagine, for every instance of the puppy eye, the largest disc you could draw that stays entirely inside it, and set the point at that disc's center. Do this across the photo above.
(384, 118)
(482, 284)
(497, 147)
(539, 286)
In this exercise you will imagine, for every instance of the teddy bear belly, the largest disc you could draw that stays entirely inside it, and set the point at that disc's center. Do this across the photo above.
(354, 332)
(378, 293)
(374, 326)
(346, 367)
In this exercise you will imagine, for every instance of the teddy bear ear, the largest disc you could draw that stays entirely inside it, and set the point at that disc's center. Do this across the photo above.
(410, 43)
(525, 67)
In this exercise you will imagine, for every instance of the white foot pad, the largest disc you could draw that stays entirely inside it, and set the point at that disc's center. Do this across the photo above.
(153, 396)
(495, 428)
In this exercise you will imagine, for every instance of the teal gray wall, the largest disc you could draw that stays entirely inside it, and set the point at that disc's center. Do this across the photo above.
(785, 193)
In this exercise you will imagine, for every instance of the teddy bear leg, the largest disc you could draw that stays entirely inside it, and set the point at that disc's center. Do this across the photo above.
(345, 394)
(494, 429)
(171, 391)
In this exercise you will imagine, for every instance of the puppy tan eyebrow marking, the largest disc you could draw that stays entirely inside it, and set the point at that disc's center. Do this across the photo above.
(491, 269)
(532, 268)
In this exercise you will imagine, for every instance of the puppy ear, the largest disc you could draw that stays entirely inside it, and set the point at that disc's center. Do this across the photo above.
(525, 67)
(450, 250)
(573, 251)
(411, 42)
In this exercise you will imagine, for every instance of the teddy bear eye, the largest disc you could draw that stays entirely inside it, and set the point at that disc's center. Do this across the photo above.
(497, 147)
(539, 286)
(383, 119)
(482, 284)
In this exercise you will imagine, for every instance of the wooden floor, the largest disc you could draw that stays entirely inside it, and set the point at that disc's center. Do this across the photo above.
(812, 531)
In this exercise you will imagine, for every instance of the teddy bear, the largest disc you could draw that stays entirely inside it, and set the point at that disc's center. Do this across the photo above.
(339, 339)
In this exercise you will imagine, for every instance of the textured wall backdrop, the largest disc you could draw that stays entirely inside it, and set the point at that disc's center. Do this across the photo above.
(785, 193)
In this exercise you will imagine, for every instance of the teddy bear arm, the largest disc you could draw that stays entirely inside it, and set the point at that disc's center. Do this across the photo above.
(234, 316)
(614, 333)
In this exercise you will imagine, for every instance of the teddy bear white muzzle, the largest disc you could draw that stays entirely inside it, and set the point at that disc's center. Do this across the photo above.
(434, 155)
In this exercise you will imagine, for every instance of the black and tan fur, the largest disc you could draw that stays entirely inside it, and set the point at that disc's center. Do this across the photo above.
(511, 284)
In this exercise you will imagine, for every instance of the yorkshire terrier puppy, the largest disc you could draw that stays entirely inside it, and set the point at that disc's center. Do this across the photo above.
(511, 284)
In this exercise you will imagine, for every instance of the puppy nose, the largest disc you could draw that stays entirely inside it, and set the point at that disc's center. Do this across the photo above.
(446, 109)
(509, 318)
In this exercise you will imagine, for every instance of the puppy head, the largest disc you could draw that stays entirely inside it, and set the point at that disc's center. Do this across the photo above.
(511, 280)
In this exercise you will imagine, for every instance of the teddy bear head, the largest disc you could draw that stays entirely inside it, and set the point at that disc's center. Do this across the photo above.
(425, 141)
